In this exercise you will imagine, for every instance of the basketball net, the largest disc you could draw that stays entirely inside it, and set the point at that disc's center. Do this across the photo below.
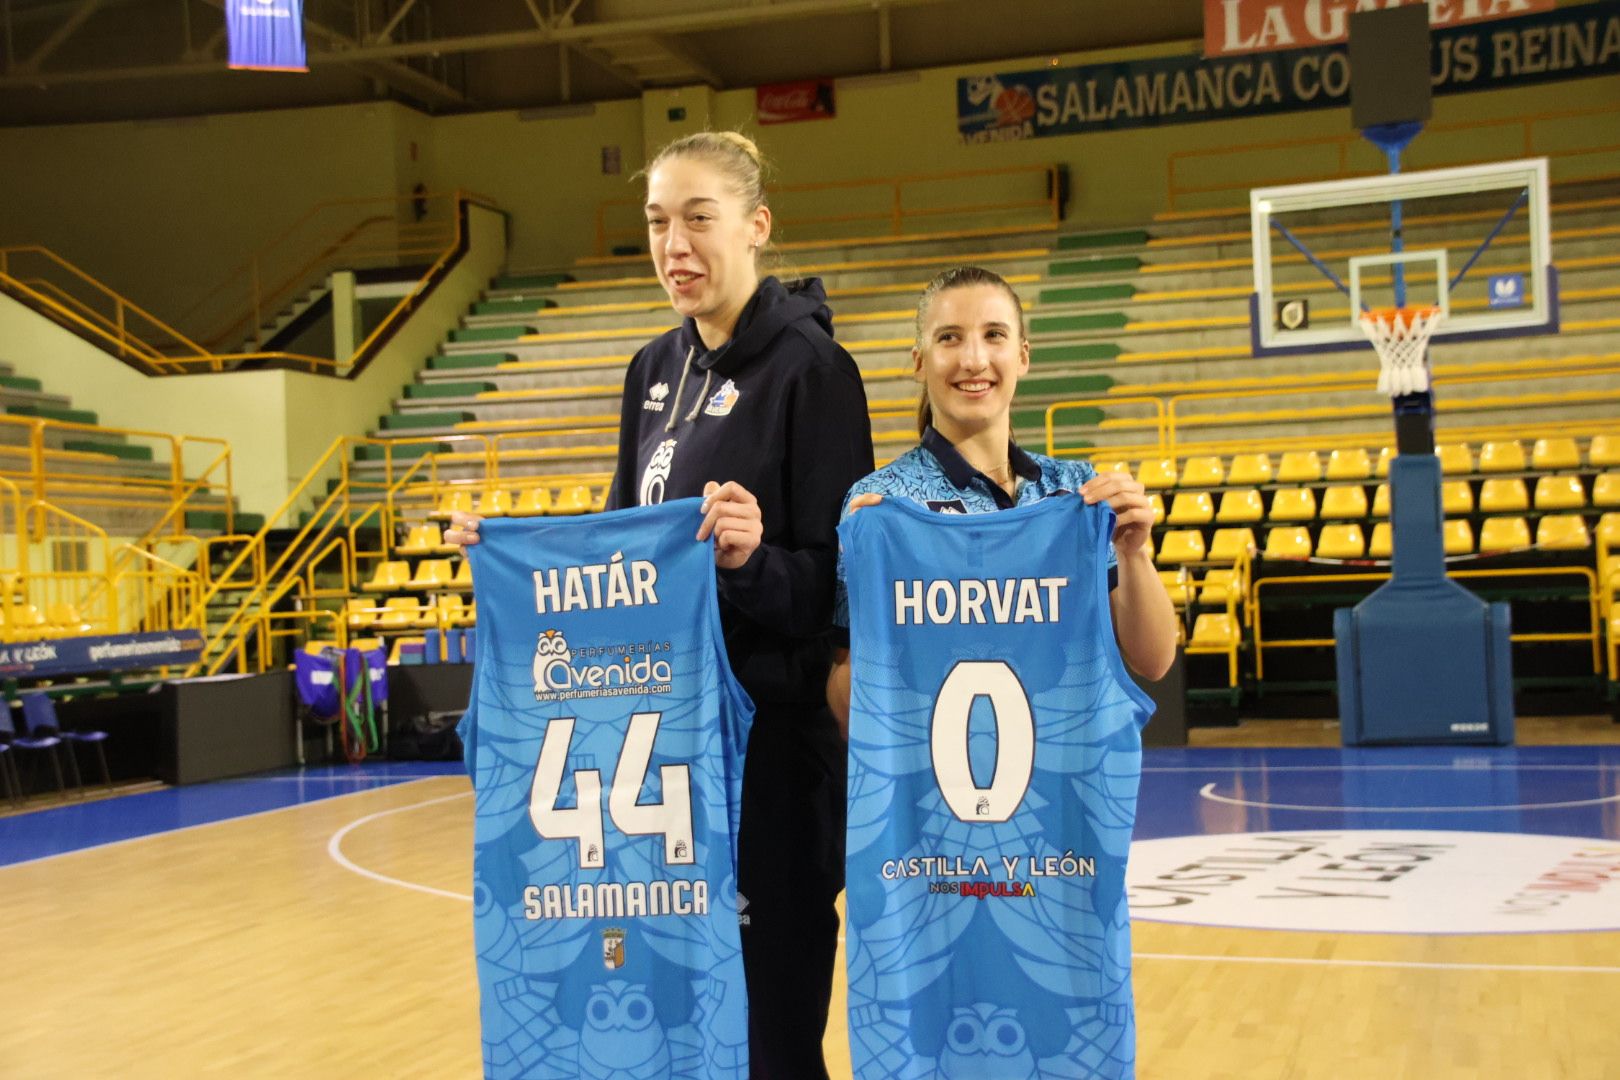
(1401, 336)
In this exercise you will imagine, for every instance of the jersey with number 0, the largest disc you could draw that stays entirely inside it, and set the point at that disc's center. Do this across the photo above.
(994, 754)
(605, 740)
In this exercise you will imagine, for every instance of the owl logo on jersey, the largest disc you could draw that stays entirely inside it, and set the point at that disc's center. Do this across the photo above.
(549, 651)
(657, 473)
(622, 1036)
(613, 948)
(985, 1040)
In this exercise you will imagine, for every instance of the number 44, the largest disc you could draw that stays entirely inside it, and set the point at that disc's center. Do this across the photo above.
(671, 818)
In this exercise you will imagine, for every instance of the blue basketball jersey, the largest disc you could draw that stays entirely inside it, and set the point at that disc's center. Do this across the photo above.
(994, 754)
(605, 741)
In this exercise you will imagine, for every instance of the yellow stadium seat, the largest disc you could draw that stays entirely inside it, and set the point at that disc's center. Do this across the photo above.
(1178, 583)
(451, 610)
(1202, 472)
(1563, 492)
(1344, 501)
(1299, 466)
(1341, 542)
(462, 578)
(1215, 585)
(1288, 542)
(1380, 507)
(1606, 489)
(1157, 474)
(575, 499)
(24, 621)
(532, 503)
(1608, 529)
(1604, 451)
(1382, 544)
(424, 540)
(1215, 629)
(1503, 456)
(1562, 532)
(1180, 546)
(1112, 466)
(1250, 469)
(390, 576)
(1239, 505)
(359, 613)
(397, 653)
(1353, 464)
(1457, 536)
(496, 502)
(1504, 534)
(1455, 458)
(1385, 455)
(1560, 453)
(1192, 508)
(1293, 504)
(430, 574)
(1456, 497)
(400, 612)
(1231, 544)
(453, 502)
(1156, 501)
(599, 500)
(1502, 496)
(65, 619)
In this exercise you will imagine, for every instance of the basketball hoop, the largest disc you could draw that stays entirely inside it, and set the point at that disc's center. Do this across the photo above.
(1401, 336)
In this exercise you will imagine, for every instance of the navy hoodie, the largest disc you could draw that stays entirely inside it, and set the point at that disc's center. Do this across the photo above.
(780, 409)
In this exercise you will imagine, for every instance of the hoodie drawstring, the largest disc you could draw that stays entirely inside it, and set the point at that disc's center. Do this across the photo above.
(680, 389)
(703, 396)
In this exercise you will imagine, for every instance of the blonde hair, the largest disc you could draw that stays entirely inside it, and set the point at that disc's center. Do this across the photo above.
(732, 153)
(957, 277)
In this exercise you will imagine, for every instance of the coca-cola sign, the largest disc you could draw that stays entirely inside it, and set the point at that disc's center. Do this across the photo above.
(787, 103)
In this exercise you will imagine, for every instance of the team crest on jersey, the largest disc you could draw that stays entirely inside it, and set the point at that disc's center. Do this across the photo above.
(655, 397)
(947, 506)
(656, 474)
(613, 948)
(551, 651)
(724, 400)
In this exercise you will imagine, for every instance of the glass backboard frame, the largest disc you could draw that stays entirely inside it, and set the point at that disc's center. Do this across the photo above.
(1538, 316)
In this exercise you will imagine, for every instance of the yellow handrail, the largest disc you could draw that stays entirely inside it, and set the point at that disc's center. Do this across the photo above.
(1604, 118)
(896, 213)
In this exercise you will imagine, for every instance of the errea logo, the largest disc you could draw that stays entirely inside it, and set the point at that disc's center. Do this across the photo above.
(655, 397)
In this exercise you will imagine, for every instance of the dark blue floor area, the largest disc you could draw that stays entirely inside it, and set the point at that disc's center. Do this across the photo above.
(62, 829)
(1548, 790)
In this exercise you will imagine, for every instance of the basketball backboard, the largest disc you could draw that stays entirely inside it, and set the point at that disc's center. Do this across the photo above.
(1474, 241)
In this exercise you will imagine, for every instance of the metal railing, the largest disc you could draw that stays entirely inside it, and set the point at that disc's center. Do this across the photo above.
(255, 292)
(883, 207)
(1336, 157)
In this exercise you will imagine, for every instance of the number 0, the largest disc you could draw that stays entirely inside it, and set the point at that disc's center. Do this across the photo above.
(1015, 740)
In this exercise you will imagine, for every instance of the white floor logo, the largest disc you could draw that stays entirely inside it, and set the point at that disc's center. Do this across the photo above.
(1383, 881)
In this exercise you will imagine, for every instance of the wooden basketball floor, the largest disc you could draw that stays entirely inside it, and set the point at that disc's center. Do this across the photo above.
(318, 924)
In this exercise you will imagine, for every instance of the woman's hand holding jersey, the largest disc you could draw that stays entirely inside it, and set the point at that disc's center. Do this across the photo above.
(732, 517)
(463, 530)
(1133, 513)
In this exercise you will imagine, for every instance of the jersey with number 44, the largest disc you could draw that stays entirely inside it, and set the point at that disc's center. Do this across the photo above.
(605, 740)
(995, 751)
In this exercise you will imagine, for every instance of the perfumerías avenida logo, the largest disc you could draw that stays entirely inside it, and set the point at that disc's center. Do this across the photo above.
(599, 671)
